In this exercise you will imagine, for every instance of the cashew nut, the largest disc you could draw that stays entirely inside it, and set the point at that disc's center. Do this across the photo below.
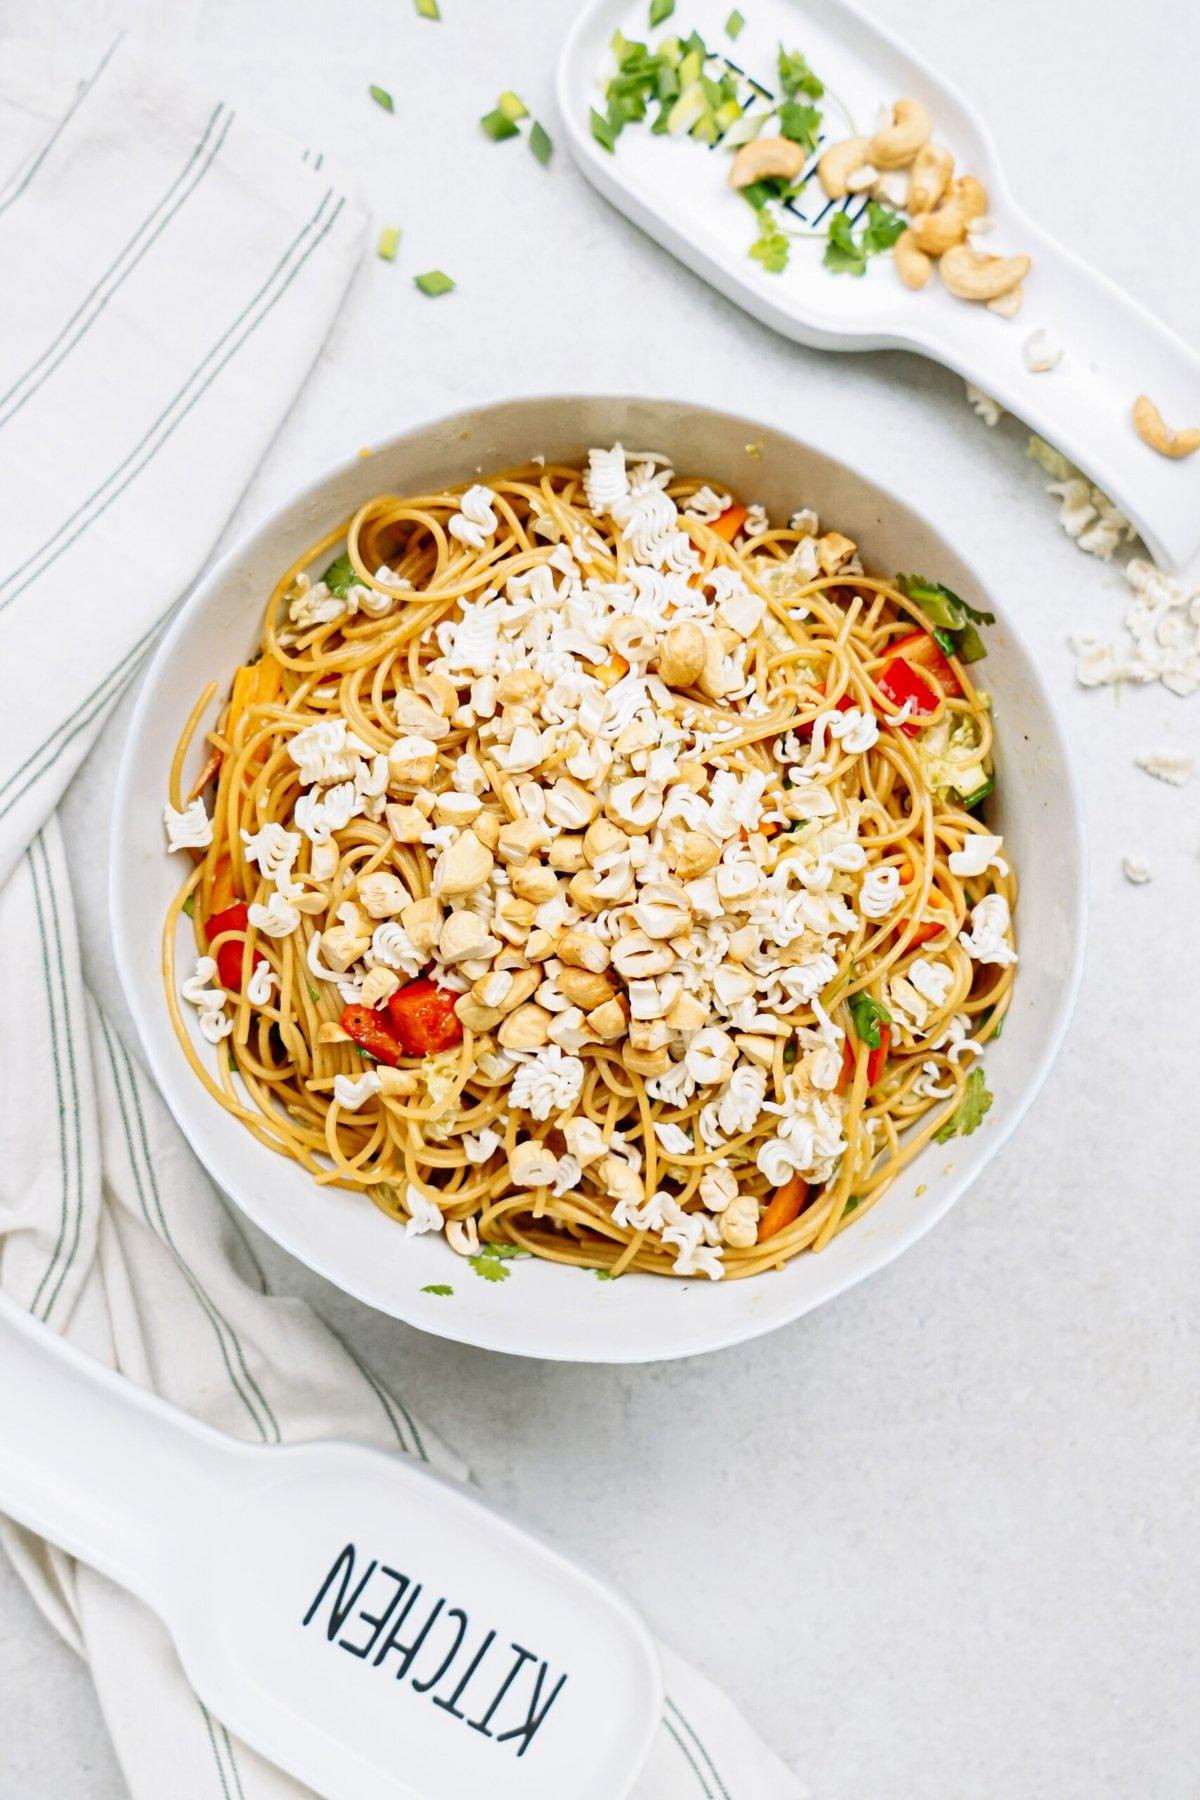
(763, 158)
(681, 658)
(1153, 429)
(912, 265)
(739, 1222)
(895, 146)
(839, 162)
(932, 168)
(940, 230)
(1008, 305)
(971, 196)
(465, 866)
(973, 277)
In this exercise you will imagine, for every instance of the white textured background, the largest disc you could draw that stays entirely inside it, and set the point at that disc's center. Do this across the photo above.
(939, 1539)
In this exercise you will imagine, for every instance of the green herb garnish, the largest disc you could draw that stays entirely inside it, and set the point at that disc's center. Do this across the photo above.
(541, 143)
(733, 25)
(971, 801)
(795, 76)
(489, 1264)
(606, 1275)
(189, 906)
(437, 1287)
(433, 283)
(660, 10)
(941, 605)
(512, 106)
(869, 1016)
(381, 97)
(801, 123)
(771, 247)
(968, 1115)
(881, 230)
(389, 242)
(427, 9)
(340, 576)
(842, 254)
(313, 995)
(499, 126)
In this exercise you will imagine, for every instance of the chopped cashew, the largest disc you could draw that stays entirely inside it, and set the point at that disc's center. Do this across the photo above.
(383, 895)
(531, 1164)
(465, 866)
(930, 176)
(1153, 429)
(739, 1222)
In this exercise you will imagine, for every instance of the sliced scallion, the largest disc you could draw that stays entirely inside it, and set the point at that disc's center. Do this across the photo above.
(733, 25)
(389, 242)
(381, 97)
(428, 9)
(540, 143)
(433, 283)
(512, 106)
(602, 131)
(660, 10)
(690, 107)
(498, 126)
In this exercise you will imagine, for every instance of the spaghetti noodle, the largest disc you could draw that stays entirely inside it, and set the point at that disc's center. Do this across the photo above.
(587, 867)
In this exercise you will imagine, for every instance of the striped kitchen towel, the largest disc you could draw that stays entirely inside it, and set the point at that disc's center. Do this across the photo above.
(169, 274)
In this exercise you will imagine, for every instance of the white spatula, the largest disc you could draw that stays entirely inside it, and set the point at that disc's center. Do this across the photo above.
(677, 191)
(370, 1627)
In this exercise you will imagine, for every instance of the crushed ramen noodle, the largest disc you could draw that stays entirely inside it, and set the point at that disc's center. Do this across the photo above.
(587, 867)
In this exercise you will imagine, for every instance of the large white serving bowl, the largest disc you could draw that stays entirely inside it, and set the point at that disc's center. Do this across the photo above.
(544, 1309)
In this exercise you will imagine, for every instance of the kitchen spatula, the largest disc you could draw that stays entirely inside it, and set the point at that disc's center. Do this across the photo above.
(370, 1627)
(676, 189)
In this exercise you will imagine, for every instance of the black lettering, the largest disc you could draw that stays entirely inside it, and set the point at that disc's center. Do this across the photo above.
(534, 1718)
(523, 1656)
(451, 1705)
(378, 1620)
(423, 1687)
(342, 1606)
(392, 1642)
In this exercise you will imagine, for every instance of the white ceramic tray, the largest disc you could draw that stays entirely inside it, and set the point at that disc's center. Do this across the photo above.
(678, 193)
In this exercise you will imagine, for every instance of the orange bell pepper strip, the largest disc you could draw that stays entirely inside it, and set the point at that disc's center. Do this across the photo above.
(783, 1208)
(729, 523)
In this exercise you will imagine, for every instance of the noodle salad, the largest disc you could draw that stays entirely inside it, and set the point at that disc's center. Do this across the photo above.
(586, 867)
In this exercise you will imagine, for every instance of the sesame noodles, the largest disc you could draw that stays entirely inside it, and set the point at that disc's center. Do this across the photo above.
(587, 866)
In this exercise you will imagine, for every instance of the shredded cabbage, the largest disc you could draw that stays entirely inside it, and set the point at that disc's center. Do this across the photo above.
(948, 755)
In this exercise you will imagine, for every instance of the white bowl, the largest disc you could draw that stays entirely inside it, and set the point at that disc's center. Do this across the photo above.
(543, 1309)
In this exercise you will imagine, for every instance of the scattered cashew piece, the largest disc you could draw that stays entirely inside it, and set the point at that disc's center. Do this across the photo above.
(970, 276)
(897, 144)
(763, 158)
(1153, 430)
(839, 162)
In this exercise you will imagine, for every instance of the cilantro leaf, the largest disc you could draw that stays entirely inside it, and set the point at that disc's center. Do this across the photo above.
(489, 1264)
(842, 255)
(795, 76)
(968, 1115)
(758, 194)
(868, 1016)
(881, 230)
(771, 247)
(340, 576)
(437, 1287)
(801, 123)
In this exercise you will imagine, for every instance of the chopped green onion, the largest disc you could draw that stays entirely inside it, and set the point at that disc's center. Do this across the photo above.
(189, 905)
(541, 143)
(733, 25)
(692, 67)
(606, 1275)
(433, 283)
(688, 110)
(660, 10)
(971, 801)
(602, 130)
(427, 9)
(389, 242)
(313, 995)
(381, 97)
(437, 1287)
(512, 106)
(970, 647)
(498, 126)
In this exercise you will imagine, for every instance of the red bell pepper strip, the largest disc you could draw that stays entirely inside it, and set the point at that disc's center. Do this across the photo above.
(422, 1016)
(900, 681)
(373, 1032)
(235, 918)
(875, 1060)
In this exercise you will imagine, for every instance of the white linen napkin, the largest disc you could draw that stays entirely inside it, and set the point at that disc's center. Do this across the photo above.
(178, 269)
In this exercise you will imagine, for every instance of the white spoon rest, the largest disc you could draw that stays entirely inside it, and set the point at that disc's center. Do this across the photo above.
(371, 1627)
(678, 192)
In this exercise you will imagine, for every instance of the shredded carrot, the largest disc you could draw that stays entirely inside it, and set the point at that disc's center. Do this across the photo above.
(784, 1208)
(729, 523)
(223, 893)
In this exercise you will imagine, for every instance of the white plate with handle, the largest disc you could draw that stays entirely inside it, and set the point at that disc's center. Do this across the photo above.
(371, 1627)
(677, 191)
